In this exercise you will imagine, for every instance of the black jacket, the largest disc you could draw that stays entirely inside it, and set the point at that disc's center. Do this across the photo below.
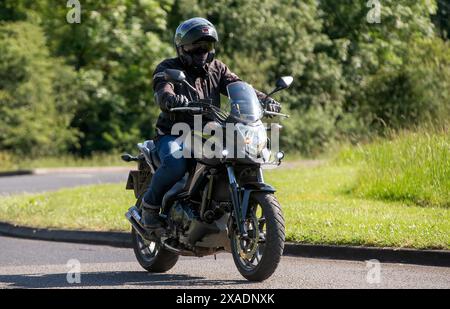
(210, 83)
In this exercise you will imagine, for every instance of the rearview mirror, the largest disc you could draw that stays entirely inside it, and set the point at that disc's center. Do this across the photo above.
(284, 82)
(172, 75)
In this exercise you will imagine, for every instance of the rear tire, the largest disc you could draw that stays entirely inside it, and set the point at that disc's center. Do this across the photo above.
(157, 260)
(271, 251)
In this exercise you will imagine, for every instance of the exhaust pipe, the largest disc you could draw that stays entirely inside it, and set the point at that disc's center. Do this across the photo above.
(177, 251)
(134, 213)
(135, 219)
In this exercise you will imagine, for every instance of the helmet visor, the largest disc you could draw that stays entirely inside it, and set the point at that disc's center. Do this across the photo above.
(199, 47)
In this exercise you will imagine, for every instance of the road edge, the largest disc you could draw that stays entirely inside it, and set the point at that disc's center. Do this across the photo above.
(16, 173)
(66, 170)
(114, 239)
(123, 240)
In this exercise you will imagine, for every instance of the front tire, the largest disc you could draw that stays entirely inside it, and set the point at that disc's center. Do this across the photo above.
(258, 257)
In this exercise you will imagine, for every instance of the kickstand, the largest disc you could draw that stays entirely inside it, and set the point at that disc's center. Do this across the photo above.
(215, 257)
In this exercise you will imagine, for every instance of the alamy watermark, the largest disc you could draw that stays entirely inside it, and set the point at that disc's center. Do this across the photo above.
(373, 272)
(74, 14)
(74, 271)
(374, 15)
(231, 140)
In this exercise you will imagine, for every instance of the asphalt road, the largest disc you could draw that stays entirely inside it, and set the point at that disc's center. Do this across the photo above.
(39, 264)
(52, 182)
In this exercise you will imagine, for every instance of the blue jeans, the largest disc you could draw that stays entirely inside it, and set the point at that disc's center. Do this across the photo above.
(172, 169)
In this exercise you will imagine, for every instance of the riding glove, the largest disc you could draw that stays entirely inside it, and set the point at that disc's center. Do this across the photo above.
(177, 101)
(272, 105)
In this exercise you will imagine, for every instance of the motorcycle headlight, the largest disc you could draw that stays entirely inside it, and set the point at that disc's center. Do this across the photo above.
(254, 138)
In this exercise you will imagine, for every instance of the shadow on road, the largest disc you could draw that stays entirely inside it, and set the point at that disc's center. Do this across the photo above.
(111, 279)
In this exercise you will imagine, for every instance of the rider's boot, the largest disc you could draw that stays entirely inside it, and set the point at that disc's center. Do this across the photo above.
(150, 216)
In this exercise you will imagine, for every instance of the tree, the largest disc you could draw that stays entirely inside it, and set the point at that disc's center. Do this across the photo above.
(262, 40)
(353, 77)
(34, 121)
(381, 86)
(115, 50)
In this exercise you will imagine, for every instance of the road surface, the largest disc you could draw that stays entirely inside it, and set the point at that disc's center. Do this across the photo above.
(52, 182)
(40, 264)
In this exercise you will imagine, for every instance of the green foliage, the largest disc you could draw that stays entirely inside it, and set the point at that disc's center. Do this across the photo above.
(115, 49)
(260, 42)
(353, 79)
(412, 93)
(13, 10)
(388, 68)
(35, 121)
(6, 161)
(310, 131)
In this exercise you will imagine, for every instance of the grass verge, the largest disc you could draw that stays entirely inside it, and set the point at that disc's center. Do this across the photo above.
(412, 167)
(316, 203)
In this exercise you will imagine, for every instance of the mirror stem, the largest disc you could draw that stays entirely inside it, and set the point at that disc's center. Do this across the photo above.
(192, 88)
(270, 93)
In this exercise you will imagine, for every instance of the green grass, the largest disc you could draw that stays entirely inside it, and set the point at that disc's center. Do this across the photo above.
(319, 210)
(316, 203)
(9, 162)
(410, 167)
(100, 207)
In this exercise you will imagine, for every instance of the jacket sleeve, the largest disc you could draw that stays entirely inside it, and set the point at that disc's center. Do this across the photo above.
(228, 77)
(162, 88)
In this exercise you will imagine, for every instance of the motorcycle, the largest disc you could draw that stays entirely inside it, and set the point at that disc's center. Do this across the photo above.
(222, 204)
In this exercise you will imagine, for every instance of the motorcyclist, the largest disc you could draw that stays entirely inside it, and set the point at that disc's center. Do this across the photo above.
(195, 41)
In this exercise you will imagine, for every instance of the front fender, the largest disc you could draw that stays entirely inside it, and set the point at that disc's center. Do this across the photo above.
(248, 189)
(258, 186)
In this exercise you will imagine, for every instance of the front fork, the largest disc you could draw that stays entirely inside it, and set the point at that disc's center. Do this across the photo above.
(240, 197)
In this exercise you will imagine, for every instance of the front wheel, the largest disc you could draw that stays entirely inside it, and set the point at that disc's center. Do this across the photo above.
(258, 255)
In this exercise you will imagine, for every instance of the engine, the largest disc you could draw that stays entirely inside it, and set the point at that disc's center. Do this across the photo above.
(182, 216)
(191, 233)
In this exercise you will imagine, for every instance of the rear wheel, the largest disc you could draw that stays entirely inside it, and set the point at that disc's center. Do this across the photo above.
(151, 256)
(258, 255)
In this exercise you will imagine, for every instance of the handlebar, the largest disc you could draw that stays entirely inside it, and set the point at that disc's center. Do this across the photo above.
(187, 108)
(275, 114)
(197, 109)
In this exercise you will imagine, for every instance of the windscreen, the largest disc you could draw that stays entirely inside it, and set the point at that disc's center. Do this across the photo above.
(244, 103)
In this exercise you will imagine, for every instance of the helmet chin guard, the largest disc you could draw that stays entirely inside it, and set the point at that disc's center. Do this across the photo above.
(188, 60)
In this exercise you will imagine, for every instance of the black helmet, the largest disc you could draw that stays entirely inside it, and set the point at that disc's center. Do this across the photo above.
(191, 32)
